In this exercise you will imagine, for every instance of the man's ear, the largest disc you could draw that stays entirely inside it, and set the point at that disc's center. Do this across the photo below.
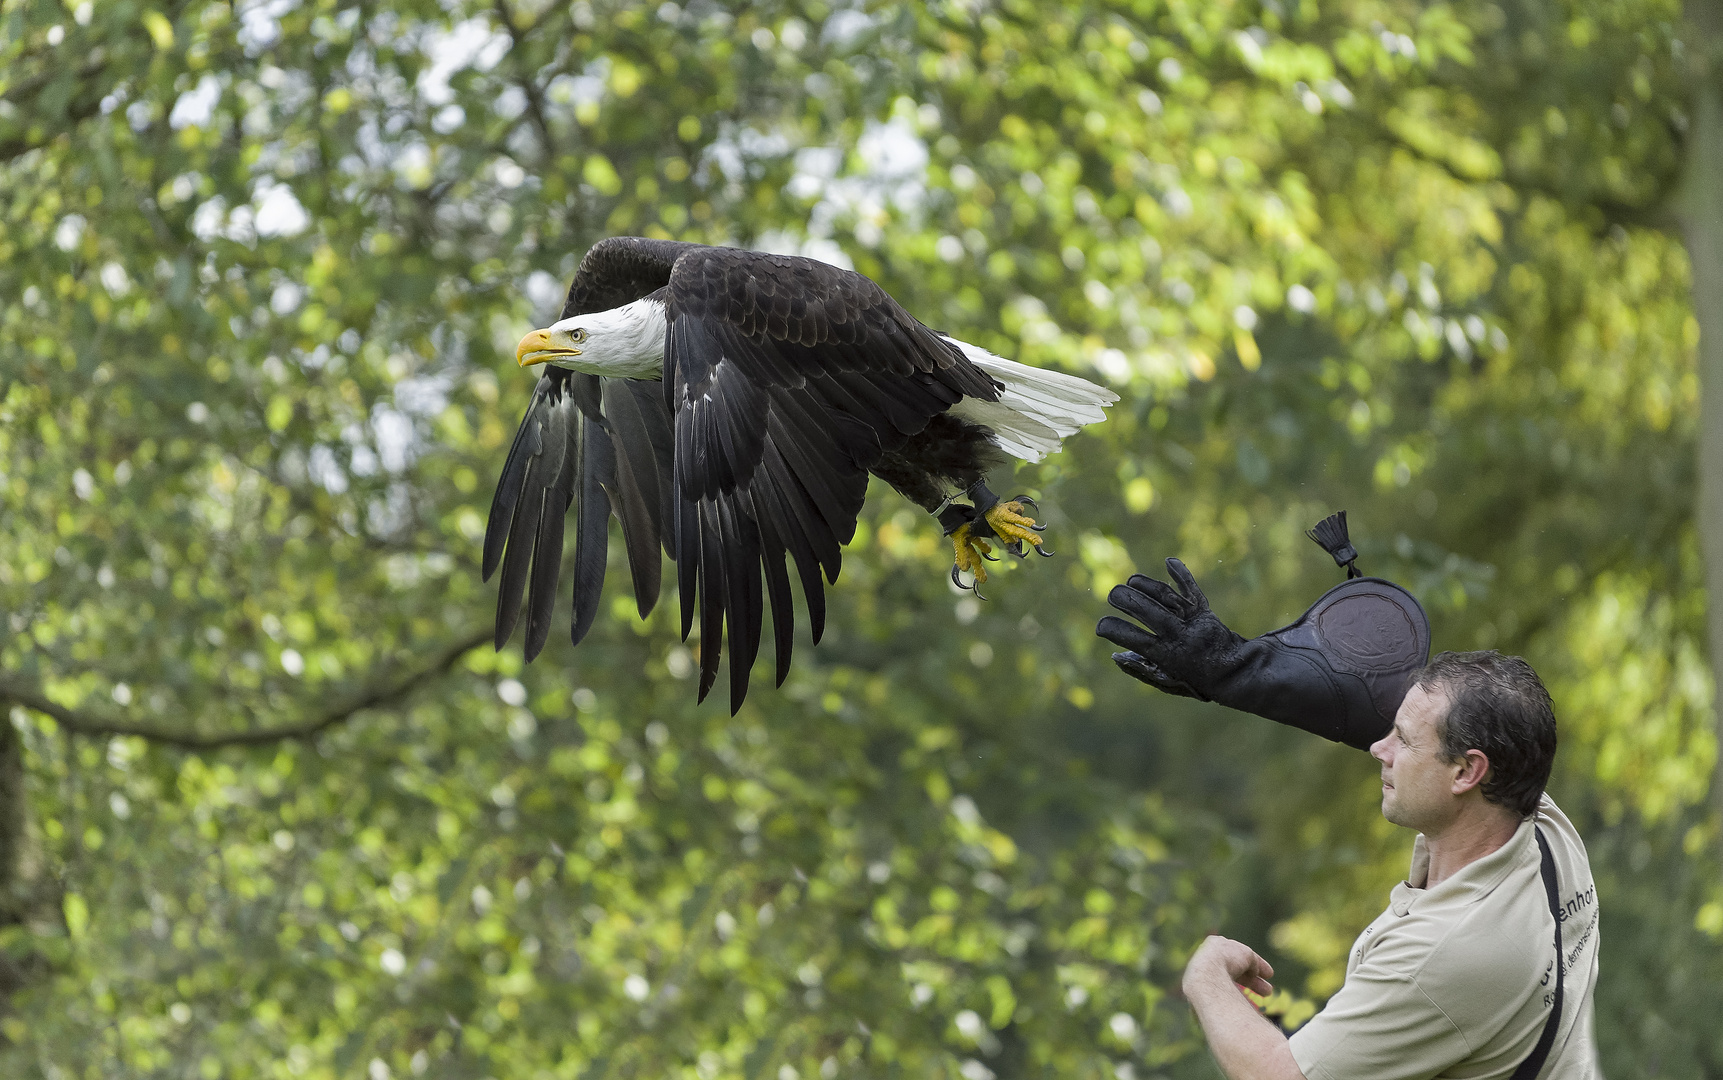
(1471, 771)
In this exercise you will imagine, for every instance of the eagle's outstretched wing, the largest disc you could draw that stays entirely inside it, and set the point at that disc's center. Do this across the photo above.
(789, 379)
(605, 444)
(785, 380)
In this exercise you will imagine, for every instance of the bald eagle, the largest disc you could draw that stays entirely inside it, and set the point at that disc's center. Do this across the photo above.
(784, 382)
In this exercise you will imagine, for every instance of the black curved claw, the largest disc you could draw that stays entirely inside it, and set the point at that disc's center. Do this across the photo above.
(1045, 553)
(986, 556)
(1027, 499)
(957, 581)
(1036, 528)
(1017, 549)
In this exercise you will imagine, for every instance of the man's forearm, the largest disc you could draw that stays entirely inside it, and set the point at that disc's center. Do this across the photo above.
(1245, 1044)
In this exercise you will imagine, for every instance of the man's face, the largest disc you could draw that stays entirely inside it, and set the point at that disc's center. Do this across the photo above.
(1417, 781)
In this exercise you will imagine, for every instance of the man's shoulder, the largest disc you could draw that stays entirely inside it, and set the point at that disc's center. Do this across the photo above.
(1487, 954)
(1436, 945)
(1567, 847)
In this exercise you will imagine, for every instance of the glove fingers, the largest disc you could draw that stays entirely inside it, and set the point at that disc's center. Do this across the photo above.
(1187, 584)
(1165, 595)
(1140, 669)
(1136, 667)
(1144, 608)
(1126, 635)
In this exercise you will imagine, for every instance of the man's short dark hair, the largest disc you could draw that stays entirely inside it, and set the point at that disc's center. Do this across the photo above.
(1496, 705)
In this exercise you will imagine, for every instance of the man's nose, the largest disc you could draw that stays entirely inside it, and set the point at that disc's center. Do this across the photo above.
(1379, 749)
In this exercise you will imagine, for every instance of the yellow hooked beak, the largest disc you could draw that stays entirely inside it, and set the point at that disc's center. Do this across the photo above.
(542, 345)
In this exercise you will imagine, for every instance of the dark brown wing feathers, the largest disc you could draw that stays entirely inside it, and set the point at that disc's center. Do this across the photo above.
(609, 444)
(786, 379)
(640, 433)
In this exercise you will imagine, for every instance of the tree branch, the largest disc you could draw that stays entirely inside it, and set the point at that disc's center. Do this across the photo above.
(534, 99)
(84, 104)
(381, 694)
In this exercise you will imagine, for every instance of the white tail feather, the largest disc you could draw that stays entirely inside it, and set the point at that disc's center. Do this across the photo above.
(1036, 409)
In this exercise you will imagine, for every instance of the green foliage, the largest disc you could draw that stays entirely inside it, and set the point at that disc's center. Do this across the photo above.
(263, 269)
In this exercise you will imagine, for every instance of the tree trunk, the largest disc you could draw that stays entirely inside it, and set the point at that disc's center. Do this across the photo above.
(1700, 209)
(11, 816)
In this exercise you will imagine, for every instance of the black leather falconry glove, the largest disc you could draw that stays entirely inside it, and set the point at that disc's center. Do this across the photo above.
(1340, 671)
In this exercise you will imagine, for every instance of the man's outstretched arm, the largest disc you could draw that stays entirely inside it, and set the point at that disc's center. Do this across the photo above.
(1245, 1044)
(1340, 671)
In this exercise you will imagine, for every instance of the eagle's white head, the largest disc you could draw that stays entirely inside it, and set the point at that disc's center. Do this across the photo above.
(625, 342)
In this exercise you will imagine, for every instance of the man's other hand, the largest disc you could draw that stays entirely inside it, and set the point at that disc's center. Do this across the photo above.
(1244, 1043)
(1236, 960)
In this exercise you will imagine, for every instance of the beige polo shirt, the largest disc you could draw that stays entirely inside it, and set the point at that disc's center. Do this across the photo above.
(1457, 980)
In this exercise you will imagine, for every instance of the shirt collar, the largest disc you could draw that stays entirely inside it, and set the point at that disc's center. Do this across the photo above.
(1471, 881)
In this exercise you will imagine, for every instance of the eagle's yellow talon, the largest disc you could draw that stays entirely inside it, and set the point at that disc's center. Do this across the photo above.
(968, 550)
(1008, 520)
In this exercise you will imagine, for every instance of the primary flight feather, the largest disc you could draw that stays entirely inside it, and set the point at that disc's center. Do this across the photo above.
(784, 382)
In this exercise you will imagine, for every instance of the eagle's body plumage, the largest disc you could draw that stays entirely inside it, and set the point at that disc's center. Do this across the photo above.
(785, 381)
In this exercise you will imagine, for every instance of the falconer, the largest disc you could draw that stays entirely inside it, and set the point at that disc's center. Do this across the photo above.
(1484, 962)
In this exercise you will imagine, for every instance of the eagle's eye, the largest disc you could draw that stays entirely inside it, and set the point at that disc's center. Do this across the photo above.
(577, 336)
